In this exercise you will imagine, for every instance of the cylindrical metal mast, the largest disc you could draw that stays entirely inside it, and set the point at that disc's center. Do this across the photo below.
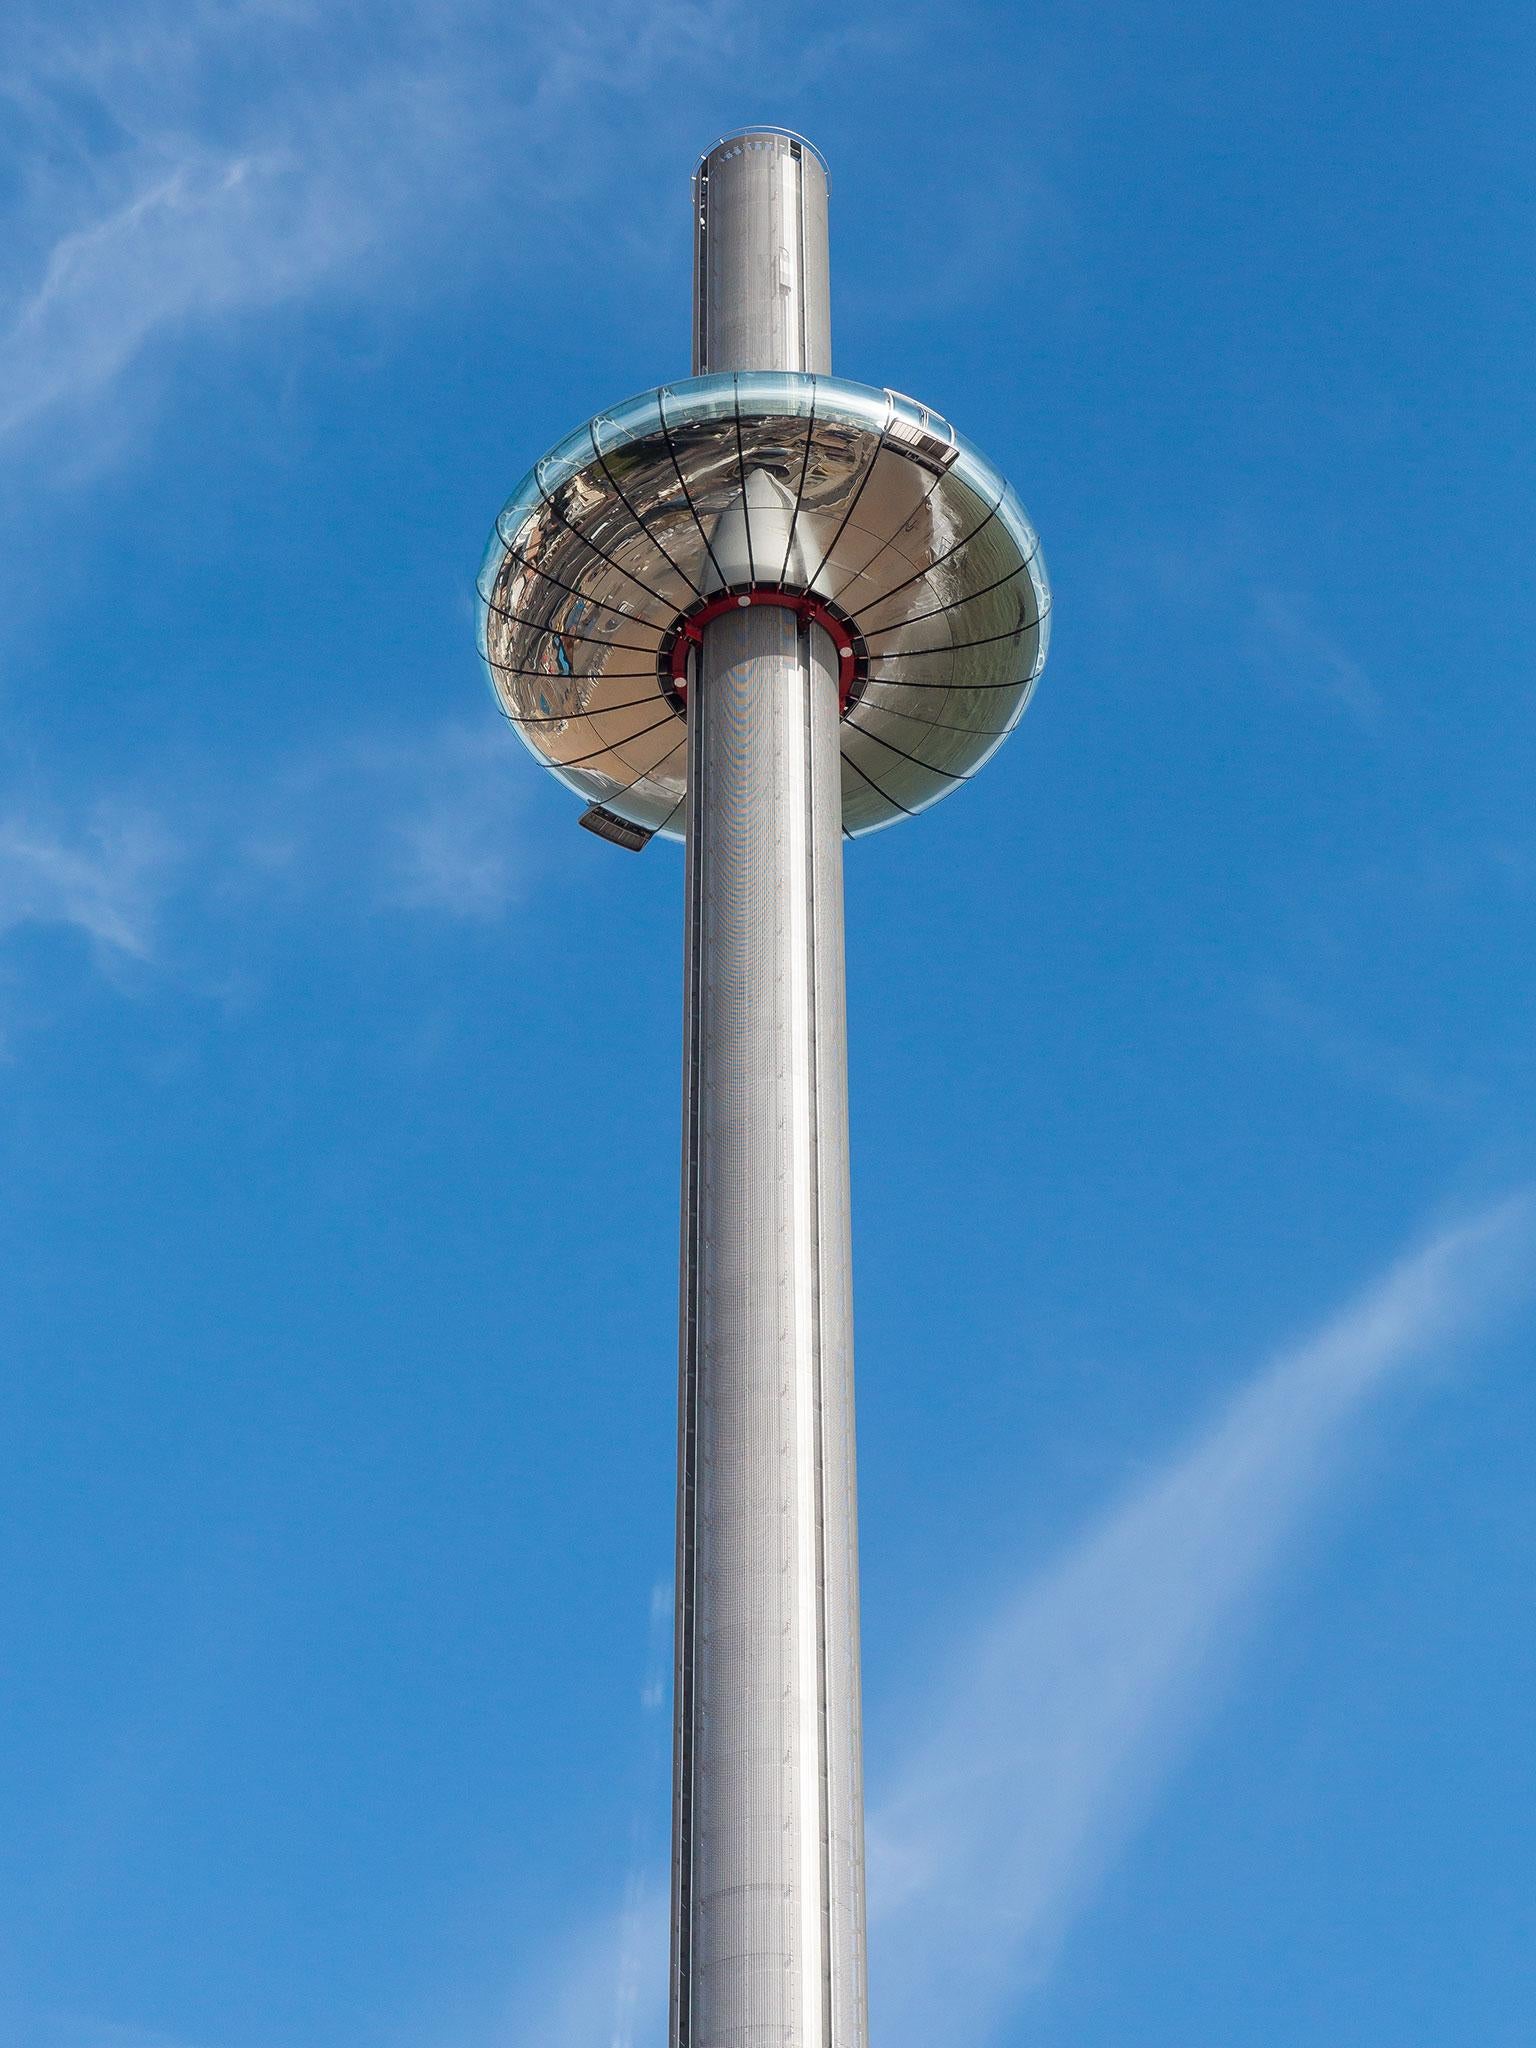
(768, 1865)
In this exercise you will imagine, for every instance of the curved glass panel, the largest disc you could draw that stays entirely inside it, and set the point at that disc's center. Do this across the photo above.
(523, 501)
(754, 482)
(789, 392)
(631, 420)
(566, 459)
(700, 398)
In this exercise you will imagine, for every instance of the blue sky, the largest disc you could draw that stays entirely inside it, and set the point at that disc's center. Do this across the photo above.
(1192, 1050)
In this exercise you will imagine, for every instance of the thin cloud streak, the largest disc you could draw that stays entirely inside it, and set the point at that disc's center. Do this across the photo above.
(353, 140)
(571, 2002)
(149, 205)
(457, 848)
(1365, 1059)
(638, 2003)
(200, 235)
(427, 824)
(105, 876)
(1062, 1718)
(1064, 1715)
(1300, 658)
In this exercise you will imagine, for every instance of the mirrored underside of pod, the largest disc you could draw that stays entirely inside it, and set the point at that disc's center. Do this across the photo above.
(759, 483)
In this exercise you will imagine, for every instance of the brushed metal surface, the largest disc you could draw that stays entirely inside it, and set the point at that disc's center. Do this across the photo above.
(768, 1859)
(761, 292)
(769, 1898)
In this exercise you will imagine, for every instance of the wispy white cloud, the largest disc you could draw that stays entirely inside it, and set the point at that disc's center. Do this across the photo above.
(1057, 1724)
(106, 875)
(198, 234)
(1212, 584)
(426, 825)
(640, 1998)
(605, 1984)
(427, 821)
(179, 165)
(573, 1999)
(612, 46)
(1301, 658)
(1361, 1056)
(456, 847)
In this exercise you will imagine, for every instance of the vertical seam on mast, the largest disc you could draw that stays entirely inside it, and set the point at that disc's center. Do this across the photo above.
(805, 651)
(687, 1543)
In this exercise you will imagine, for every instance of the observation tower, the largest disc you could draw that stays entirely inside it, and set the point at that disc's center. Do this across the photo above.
(763, 610)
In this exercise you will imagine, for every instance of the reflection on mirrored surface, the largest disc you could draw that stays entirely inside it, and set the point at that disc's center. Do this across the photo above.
(861, 498)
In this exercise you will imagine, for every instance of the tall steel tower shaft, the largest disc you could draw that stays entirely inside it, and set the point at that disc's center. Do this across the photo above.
(768, 1859)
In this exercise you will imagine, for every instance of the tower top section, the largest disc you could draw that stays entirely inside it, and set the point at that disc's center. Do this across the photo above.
(765, 132)
(760, 215)
(762, 480)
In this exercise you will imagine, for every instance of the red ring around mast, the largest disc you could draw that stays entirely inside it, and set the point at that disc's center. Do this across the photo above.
(813, 610)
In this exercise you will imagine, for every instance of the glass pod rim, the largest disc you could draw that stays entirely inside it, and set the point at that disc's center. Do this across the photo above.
(579, 469)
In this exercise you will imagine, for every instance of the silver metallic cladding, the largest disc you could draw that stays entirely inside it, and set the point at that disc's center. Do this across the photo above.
(761, 287)
(768, 1864)
(769, 1921)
